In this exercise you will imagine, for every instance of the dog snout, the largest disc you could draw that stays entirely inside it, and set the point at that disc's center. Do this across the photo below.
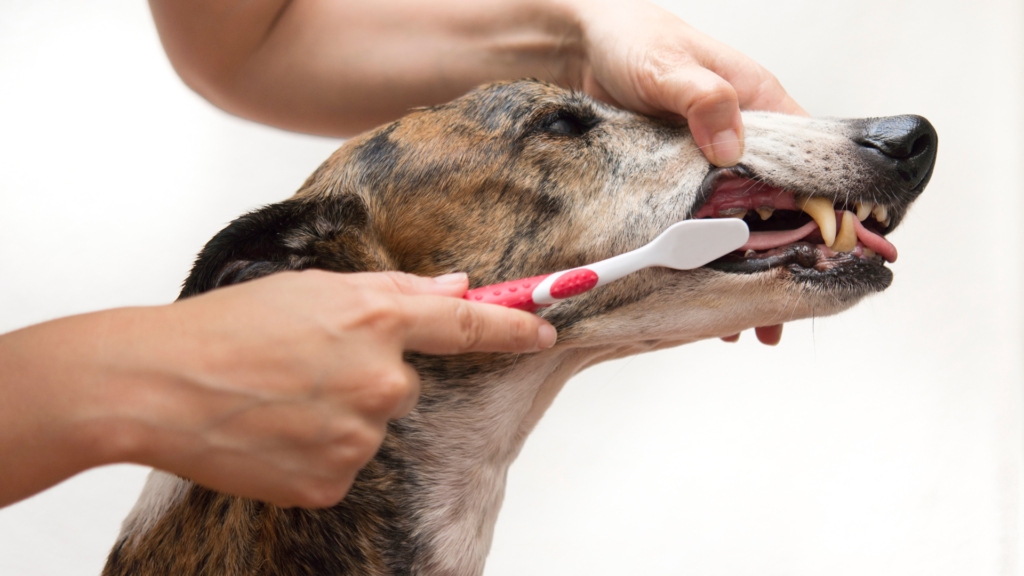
(909, 142)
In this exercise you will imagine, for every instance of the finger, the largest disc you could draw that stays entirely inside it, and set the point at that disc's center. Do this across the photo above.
(768, 95)
(455, 326)
(597, 91)
(769, 335)
(731, 339)
(401, 283)
(411, 397)
(777, 102)
(677, 83)
(756, 87)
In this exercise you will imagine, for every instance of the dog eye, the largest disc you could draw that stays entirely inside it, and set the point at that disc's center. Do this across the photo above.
(565, 124)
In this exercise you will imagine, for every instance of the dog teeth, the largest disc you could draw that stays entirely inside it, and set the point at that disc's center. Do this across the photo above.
(869, 252)
(823, 213)
(881, 214)
(765, 212)
(733, 213)
(863, 210)
(749, 254)
(846, 240)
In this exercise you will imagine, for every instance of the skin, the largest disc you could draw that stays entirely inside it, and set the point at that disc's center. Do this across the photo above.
(264, 405)
(284, 405)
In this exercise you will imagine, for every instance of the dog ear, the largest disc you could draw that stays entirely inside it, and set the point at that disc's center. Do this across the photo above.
(292, 235)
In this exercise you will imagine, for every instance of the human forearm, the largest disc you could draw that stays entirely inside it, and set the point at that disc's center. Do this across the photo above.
(338, 68)
(55, 415)
(278, 389)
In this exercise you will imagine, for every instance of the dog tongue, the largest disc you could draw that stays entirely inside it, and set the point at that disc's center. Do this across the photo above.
(872, 240)
(775, 239)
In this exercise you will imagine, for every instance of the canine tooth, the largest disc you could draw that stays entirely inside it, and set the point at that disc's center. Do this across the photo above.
(765, 212)
(881, 213)
(863, 210)
(886, 222)
(749, 254)
(846, 240)
(733, 213)
(823, 213)
(869, 252)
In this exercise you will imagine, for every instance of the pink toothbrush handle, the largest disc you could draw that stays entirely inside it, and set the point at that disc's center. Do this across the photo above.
(522, 294)
(514, 294)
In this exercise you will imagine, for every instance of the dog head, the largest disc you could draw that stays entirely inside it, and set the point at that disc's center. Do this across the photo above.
(522, 178)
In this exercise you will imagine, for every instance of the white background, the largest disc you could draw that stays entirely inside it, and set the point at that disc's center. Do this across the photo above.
(884, 441)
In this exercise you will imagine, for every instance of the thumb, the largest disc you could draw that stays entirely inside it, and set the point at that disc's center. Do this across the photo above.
(454, 284)
(709, 103)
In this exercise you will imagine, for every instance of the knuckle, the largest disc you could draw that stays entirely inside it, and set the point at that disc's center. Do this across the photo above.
(379, 311)
(358, 448)
(389, 281)
(399, 281)
(769, 88)
(470, 327)
(713, 97)
(391, 388)
(320, 493)
(522, 331)
(769, 81)
(673, 76)
(661, 63)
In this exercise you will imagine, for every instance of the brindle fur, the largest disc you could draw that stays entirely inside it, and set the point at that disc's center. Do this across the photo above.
(513, 180)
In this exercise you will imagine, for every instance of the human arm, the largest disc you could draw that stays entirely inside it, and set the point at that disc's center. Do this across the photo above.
(278, 389)
(338, 68)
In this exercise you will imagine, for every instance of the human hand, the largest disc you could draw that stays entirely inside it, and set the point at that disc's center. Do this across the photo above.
(642, 57)
(279, 389)
(293, 378)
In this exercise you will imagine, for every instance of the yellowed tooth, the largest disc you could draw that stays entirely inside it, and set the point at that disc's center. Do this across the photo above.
(863, 210)
(733, 213)
(765, 212)
(823, 213)
(846, 240)
(881, 213)
(869, 252)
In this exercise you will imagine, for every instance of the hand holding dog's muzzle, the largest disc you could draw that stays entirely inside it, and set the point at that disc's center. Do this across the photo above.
(644, 58)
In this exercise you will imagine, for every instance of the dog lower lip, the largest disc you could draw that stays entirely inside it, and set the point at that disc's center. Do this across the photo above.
(801, 255)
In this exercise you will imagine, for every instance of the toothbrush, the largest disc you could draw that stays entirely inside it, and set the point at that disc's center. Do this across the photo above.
(683, 246)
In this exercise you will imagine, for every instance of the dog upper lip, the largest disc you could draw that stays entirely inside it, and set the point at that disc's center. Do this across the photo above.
(710, 182)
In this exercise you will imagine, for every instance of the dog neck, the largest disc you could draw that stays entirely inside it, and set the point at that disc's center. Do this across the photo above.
(463, 477)
(427, 504)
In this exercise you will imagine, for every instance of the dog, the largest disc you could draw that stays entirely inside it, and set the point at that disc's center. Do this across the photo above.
(513, 180)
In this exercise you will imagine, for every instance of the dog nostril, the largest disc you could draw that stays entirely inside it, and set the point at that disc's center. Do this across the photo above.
(920, 146)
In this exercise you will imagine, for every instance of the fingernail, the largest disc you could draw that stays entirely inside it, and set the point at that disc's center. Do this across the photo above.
(546, 336)
(726, 147)
(453, 278)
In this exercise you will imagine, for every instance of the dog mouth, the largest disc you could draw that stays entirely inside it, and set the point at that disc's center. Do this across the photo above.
(788, 228)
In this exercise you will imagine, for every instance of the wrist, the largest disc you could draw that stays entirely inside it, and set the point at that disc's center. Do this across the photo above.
(58, 414)
(122, 415)
(104, 377)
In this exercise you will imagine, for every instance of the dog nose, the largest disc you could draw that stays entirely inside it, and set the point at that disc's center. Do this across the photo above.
(910, 141)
